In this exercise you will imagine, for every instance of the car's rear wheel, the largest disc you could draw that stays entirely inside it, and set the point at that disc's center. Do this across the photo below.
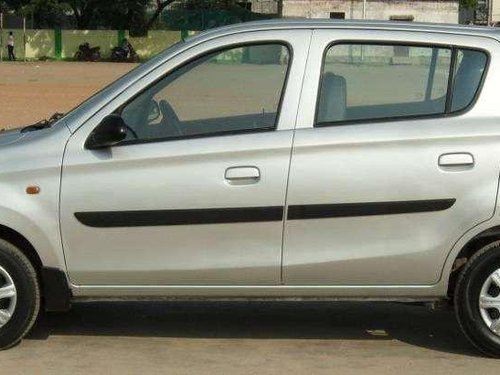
(19, 295)
(477, 299)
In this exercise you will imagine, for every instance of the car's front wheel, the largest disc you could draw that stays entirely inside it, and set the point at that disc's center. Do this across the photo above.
(19, 295)
(477, 299)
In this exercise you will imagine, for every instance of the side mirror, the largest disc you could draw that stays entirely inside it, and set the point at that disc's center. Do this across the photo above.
(111, 131)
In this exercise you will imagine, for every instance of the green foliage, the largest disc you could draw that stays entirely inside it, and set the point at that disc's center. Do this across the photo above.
(13, 4)
(85, 14)
(45, 13)
(207, 18)
(468, 4)
(138, 16)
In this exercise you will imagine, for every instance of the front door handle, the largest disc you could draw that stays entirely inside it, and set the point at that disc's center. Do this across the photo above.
(456, 159)
(242, 174)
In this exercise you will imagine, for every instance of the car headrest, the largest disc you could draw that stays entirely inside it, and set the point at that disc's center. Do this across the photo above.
(333, 98)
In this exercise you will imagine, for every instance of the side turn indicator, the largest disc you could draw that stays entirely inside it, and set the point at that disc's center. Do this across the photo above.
(33, 189)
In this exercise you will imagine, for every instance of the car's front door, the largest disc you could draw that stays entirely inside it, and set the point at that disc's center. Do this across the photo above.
(397, 162)
(195, 194)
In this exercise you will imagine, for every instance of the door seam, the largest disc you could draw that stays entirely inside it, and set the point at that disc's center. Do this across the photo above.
(285, 203)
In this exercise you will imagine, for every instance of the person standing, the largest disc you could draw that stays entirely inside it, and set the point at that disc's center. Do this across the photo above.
(10, 46)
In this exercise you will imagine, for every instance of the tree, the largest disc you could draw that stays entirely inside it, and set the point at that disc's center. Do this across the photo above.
(45, 13)
(12, 4)
(160, 7)
(142, 23)
(138, 16)
(83, 11)
(117, 14)
(468, 4)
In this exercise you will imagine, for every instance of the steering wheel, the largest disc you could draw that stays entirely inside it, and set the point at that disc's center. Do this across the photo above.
(170, 117)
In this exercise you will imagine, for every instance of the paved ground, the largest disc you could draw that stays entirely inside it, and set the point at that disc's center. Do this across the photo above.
(246, 338)
(30, 92)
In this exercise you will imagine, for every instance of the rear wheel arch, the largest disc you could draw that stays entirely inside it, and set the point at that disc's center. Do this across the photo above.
(474, 245)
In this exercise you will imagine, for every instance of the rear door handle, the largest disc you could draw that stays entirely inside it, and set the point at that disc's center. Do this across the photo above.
(456, 159)
(242, 174)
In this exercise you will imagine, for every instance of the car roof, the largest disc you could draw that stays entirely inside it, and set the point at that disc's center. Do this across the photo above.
(288, 24)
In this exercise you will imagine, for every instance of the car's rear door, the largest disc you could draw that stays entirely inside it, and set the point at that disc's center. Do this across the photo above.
(195, 195)
(388, 170)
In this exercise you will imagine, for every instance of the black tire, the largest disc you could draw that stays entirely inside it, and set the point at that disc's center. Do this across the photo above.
(27, 306)
(468, 289)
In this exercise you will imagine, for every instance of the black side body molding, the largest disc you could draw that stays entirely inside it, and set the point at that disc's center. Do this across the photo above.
(56, 293)
(320, 211)
(113, 219)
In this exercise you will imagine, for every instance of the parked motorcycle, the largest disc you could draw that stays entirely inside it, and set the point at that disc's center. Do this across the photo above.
(87, 53)
(124, 53)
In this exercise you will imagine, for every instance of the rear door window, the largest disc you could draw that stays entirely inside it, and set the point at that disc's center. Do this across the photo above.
(469, 70)
(363, 82)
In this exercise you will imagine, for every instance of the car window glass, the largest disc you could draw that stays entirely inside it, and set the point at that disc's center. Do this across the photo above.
(469, 70)
(237, 89)
(382, 81)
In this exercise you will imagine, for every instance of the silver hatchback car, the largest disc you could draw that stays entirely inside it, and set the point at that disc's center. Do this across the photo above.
(298, 159)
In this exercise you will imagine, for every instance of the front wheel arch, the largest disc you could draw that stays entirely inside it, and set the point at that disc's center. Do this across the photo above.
(18, 240)
(55, 291)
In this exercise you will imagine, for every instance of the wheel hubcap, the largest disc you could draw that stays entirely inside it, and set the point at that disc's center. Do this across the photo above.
(489, 302)
(8, 297)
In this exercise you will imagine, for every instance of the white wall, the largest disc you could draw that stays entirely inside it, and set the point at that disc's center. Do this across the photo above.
(442, 11)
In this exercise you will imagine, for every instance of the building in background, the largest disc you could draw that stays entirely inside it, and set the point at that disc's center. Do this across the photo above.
(441, 11)
(262, 6)
(494, 7)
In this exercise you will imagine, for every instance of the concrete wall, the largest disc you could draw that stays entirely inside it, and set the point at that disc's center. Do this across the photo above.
(495, 11)
(155, 42)
(41, 43)
(442, 11)
(71, 39)
(146, 47)
(264, 6)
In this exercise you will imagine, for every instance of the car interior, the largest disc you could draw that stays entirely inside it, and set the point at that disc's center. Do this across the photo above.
(333, 105)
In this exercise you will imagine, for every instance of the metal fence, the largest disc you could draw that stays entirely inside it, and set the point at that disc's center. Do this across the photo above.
(203, 19)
